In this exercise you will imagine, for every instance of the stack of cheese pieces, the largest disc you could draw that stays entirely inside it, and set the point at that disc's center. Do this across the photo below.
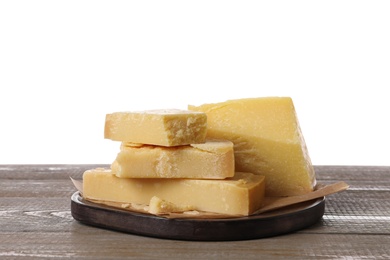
(220, 158)
(166, 162)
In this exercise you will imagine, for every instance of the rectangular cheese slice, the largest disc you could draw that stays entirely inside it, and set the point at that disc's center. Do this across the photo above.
(240, 195)
(165, 127)
(267, 140)
(211, 160)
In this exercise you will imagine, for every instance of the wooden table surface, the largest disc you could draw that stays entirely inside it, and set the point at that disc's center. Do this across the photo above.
(36, 222)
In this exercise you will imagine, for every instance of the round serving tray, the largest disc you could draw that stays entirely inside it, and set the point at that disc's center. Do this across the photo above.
(269, 224)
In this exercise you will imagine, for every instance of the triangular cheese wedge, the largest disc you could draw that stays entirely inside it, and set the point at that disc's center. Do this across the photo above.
(267, 141)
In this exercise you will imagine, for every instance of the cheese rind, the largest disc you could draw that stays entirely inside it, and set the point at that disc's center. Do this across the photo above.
(211, 160)
(165, 127)
(267, 140)
(240, 195)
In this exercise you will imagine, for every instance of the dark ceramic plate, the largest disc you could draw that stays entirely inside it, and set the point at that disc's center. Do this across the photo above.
(269, 224)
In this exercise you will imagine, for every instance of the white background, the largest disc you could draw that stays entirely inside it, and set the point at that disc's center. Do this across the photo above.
(65, 64)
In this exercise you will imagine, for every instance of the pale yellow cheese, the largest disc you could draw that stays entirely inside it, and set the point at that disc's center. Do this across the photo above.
(240, 195)
(166, 127)
(211, 160)
(267, 140)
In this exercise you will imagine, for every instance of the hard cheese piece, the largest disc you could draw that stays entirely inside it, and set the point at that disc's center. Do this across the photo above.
(267, 140)
(169, 127)
(239, 195)
(211, 160)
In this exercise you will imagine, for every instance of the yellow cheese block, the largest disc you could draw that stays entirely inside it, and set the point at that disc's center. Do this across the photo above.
(165, 127)
(267, 141)
(211, 160)
(240, 195)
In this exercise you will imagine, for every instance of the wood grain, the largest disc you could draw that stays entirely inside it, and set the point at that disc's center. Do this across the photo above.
(35, 222)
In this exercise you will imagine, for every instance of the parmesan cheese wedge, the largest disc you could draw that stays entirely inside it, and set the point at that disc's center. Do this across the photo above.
(267, 141)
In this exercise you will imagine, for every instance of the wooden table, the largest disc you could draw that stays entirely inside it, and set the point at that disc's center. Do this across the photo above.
(36, 222)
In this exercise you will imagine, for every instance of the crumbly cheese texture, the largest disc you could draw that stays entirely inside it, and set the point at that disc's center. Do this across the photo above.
(267, 141)
(160, 206)
(213, 159)
(165, 127)
(242, 194)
